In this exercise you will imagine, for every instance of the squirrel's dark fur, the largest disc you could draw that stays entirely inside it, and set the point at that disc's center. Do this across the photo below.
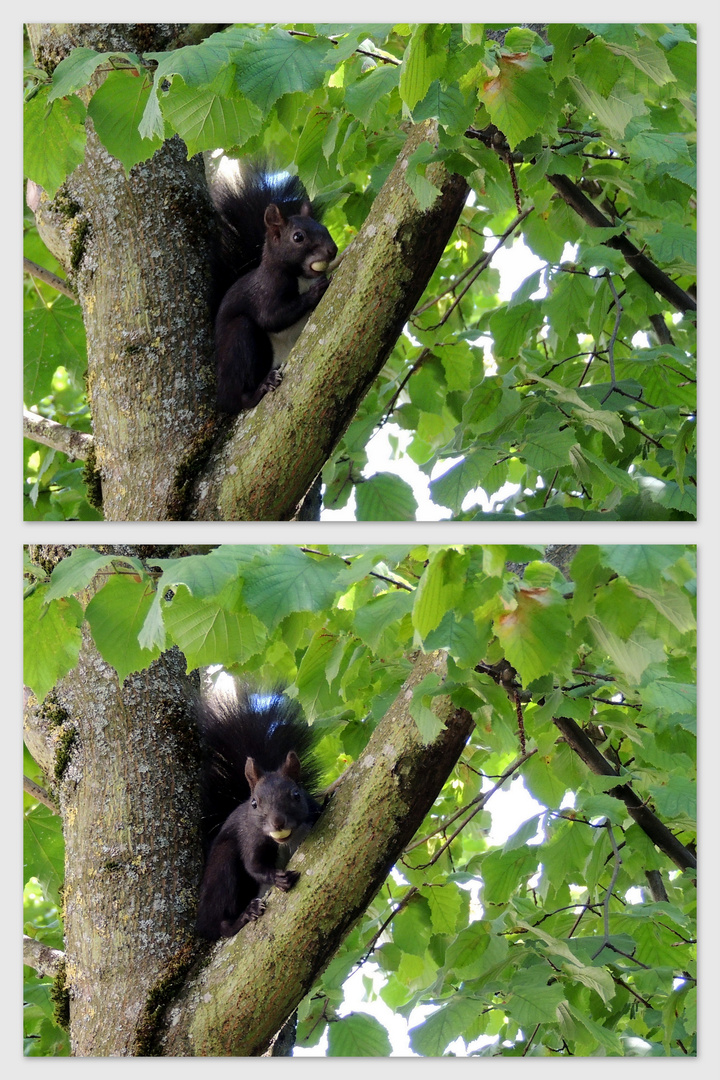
(257, 749)
(270, 240)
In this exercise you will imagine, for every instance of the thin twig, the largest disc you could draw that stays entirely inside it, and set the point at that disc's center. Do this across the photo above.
(613, 336)
(480, 265)
(478, 803)
(528, 1044)
(395, 911)
(42, 958)
(38, 793)
(611, 886)
(48, 277)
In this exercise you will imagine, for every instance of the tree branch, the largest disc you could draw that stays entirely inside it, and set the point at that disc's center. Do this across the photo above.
(49, 278)
(494, 139)
(42, 958)
(660, 835)
(39, 794)
(76, 444)
(647, 270)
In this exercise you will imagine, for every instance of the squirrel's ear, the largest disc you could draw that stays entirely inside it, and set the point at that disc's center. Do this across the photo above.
(253, 773)
(291, 766)
(274, 219)
(306, 209)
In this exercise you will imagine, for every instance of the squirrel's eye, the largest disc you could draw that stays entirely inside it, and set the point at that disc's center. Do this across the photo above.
(253, 803)
(298, 237)
(295, 793)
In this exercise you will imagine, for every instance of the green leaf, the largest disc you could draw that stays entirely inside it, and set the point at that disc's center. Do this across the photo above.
(446, 907)
(532, 1000)
(513, 326)
(385, 497)
(502, 871)
(599, 1035)
(518, 98)
(206, 118)
(380, 614)
(466, 953)
(362, 96)
(77, 68)
(677, 699)
(648, 58)
(642, 564)
(54, 139)
(424, 191)
(631, 656)
(74, 573)
(451, 488)
(52, 640)
(116, 110)
(674, 243)
(531, 632)
(207, 633)
(452, 1020)
(280, 64)
(358, 1035)
(672, 603)
(411, 927)
(421, 709)
(424, 61)
(615, 111)
(288, 580)
(54, 336)
(44, 850)
(548, 448)
(438, 590)
(448, 105)
(116, 615)
(676, 798)
(568, 302)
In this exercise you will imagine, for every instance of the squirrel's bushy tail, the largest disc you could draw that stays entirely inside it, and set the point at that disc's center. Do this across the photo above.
(241, 191)
(234, 726)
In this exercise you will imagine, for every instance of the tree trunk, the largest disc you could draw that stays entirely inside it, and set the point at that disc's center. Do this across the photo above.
(136, 248)
(128, 797)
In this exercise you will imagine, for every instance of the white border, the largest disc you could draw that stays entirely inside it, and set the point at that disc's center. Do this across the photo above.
(705, 533)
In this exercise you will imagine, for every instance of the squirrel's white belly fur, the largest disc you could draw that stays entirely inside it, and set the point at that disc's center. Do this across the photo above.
(284, 340)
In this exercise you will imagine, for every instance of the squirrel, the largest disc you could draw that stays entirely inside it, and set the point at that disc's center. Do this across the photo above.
(268, 275)
(255, 811)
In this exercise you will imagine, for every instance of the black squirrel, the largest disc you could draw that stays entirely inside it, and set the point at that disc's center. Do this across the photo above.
(255, 811)
(271, 244)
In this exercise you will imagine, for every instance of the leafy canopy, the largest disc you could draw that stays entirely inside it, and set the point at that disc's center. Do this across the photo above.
(573, 397)
(511, 945)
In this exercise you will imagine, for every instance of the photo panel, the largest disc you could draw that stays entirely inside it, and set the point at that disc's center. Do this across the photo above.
(447, 791)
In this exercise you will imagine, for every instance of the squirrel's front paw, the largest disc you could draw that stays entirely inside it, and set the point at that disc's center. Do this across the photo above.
(318, 288)
(273, 379)
(285, 879)
(255, 908)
